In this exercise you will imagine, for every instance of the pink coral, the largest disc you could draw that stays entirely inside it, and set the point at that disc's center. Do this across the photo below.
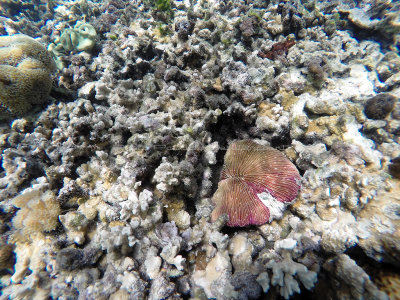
(256, 182)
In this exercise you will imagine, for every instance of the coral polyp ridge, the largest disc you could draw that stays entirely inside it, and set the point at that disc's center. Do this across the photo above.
(118, 185)
(256, 183)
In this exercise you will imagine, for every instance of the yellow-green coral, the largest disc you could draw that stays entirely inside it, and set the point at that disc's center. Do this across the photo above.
(80, 38)
(25, 68)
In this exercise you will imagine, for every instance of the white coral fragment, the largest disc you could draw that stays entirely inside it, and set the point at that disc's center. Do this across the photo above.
(135, 204)
(286, 244)
(217, 271)
(284, 273)
(210, 153)
(339, 234)
(166, 175)
(241, 250)
(263, 280)
(152, 263)
(169, 254)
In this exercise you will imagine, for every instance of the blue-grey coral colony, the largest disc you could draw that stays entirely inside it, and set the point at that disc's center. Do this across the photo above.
(164, 149)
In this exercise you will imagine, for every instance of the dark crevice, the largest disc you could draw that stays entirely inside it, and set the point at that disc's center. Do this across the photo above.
(368, 264)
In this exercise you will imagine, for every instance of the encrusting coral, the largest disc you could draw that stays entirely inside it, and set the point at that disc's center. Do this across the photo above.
(25, 68)
(256, 182)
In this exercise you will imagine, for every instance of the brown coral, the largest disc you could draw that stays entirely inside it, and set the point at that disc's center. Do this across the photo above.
(388, 282)
(38, 212)
(279, 50)
(25, 68)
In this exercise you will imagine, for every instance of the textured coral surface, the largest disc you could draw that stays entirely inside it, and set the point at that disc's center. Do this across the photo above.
(108, 191)
(25, 68)
(256, 182)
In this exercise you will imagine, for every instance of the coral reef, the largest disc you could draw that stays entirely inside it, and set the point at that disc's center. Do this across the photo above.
(109, 191)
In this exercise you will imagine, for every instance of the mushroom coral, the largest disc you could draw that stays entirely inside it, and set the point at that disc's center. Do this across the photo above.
(256, 184)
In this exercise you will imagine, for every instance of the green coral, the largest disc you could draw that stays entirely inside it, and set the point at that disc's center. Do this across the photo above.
(25, 74)
(163, 29)
(254, 13)
(80, 38)
(330, 26)
(161, 10)
(163, 5)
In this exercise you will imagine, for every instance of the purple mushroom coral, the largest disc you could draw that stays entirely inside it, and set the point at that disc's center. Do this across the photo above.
(256, 184)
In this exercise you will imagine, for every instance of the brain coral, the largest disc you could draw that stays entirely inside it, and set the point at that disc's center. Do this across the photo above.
(25, 69)
(256, 183)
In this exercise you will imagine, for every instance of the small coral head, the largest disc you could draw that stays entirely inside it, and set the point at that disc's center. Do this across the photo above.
(256, 184)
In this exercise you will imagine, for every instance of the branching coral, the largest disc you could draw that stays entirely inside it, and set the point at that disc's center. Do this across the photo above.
(284, 273)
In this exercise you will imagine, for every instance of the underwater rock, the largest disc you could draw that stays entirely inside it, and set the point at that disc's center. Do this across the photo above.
(292, 19)
(379, 106)
(6, 252)
(69, 259)
(380, 18)
(248, 27)
(241, 250)
(378, 226)
(184, 28)
(394, 167)
(350, 280)
(246, 285)
(317, 70)
(389, 283)
(215, 278)
(325, 104)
